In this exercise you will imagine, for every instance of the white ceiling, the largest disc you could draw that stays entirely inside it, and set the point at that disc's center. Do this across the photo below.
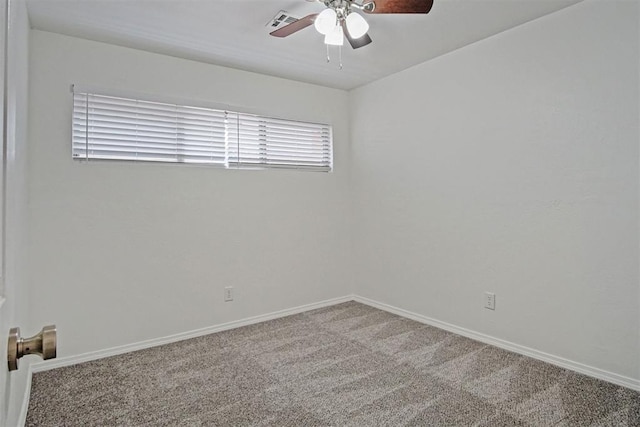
(234, 33)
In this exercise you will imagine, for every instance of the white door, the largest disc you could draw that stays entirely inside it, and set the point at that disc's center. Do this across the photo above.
(6, 309)
(14, 37)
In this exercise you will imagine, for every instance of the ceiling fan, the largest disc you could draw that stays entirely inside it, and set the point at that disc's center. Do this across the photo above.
(339, 20)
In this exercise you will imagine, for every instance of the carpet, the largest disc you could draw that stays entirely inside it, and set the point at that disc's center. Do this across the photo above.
(344, 365)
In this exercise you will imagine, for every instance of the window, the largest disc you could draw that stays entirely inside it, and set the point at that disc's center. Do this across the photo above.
(115, 128)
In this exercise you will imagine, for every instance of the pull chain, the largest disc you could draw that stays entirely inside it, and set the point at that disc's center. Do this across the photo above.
(339, 56)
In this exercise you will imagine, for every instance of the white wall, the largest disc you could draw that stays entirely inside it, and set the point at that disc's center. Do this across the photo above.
(123, 252)
(511, 166)
(14, 310)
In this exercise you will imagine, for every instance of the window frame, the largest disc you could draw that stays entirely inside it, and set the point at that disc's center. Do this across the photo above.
(313, 154)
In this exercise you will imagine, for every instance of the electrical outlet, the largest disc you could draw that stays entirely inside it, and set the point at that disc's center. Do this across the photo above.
(228, 294)
(490, 300)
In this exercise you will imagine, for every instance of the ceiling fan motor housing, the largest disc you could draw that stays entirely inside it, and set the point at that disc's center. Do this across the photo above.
(343, 7)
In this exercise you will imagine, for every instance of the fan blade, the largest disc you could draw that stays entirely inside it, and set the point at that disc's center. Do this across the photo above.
(298, 25)
(355, 43)
(398, 6)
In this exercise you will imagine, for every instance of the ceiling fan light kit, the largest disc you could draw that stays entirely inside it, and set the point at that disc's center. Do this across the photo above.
(329, 22)
(335, 37)
(338, 21)
(356, 25)
(326, 21)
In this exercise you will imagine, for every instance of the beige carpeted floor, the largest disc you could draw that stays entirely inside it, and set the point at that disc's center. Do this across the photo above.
(345, 365)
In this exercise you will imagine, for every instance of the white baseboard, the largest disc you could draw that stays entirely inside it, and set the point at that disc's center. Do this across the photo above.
(507, 345)
(100, 354)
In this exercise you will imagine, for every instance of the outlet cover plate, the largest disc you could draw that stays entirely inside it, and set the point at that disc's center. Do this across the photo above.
(228, 294)
(490, 300)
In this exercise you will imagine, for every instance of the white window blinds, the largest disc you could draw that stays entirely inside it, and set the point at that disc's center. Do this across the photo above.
(108, 127)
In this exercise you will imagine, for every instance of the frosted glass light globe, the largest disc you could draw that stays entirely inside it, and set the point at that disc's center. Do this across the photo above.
(335, 37)
(356, 25)
(326, 21)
